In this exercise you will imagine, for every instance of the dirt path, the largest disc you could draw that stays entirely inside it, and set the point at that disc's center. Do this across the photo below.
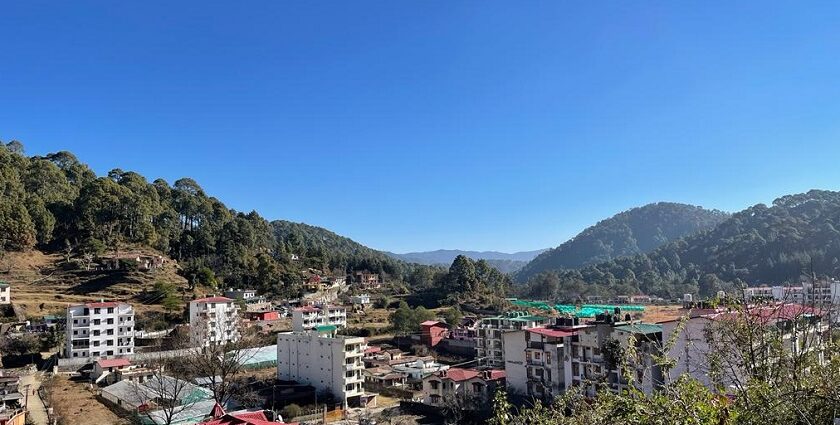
(37, 412)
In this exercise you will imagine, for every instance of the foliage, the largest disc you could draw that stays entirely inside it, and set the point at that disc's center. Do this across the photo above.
(407, 320)
(291, 411)
(452, 316)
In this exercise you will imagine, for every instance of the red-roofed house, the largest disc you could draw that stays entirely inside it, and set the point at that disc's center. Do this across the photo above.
(219, 417)
(462, 386)
(432, 332)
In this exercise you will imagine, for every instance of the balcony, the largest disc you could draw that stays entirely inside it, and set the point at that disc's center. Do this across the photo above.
(353, 366)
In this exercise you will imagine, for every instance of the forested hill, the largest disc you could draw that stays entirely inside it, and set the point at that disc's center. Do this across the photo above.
(636, 231)
(796, 235)
(333, 250)
(57, 203)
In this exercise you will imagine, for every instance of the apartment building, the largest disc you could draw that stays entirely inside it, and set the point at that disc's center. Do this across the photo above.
(489, 342)
(465, 388)
(5, 293)
(213, 320)
(593, 349)
(800, 328)
(820, 293)
(310, 317)
(100, 329)
(327, 362)
(534, 362)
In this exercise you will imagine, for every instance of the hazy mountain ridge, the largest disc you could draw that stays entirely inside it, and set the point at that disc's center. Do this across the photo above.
(446, 256)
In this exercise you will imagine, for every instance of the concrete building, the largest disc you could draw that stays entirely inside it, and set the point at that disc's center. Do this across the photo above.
(213, 320)
(310, 317)
(241, 294)
(420, 368)
(5, 293)
(361, 301)
(328, 363)
(366, 280)
(466, 388)
(534, 362)
(800, 328)
(102, 329)
(820, 293)
(591, 348)
(489, 343)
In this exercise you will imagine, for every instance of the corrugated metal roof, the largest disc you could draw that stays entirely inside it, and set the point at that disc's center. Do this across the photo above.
(640, 328)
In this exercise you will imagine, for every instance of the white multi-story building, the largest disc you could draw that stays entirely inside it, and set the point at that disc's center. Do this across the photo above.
(213, 320)
(489, 344)
(96, 330)
(5, 293)
(310, 317)
(820, 293)
(328, 363)
(534, 362)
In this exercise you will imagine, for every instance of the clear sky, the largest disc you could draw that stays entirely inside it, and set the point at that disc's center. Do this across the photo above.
(436, 124)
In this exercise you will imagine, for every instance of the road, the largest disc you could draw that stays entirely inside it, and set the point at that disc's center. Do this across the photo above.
(37, 413)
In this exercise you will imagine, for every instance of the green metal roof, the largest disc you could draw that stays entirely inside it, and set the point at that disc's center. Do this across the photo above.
(640, 328)
(326, 328)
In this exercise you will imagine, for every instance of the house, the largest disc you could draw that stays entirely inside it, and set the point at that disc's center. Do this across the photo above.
(262, 315)
(105, 368)
(534, 362)
(489, 344)
(133, 396)
(328, 363)
(467, 388)
(12, 402)
(100, 329)
(419, 368)
(362, 301)
(306, 318)
(213, 320)
(432, 332)
(379, 378)
(366, 280)
(218, 416)
(241, 294)
(314, 284)
(5, 293)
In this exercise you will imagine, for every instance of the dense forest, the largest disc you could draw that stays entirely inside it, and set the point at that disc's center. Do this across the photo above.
(57, 203)
(636, 231)
(797, 235)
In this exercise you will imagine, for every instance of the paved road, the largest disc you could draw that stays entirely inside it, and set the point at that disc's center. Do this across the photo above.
(37, 412)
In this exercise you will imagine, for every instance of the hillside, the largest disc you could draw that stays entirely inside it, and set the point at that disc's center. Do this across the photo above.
(332, 251)
(636, 231)
(796, 235)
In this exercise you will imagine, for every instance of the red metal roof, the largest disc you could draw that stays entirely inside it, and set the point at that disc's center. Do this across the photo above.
(114, 362)
(458, 374)
(556, 333)
(431, 323)
(213, 300)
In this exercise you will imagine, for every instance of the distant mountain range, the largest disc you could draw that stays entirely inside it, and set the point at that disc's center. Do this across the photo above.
(636, 231)
(446, 256)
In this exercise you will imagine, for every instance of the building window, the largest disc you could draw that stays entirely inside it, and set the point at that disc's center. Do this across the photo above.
(110, 310)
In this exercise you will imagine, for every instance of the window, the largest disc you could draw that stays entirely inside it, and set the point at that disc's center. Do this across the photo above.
(110, 321)
(434, 384)
(96, 311)
(110, 310)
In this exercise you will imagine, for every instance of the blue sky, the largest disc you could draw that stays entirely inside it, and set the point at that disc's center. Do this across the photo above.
(436, 124)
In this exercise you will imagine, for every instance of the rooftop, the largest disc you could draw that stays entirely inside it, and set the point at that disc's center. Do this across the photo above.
(556, 333)
(213, 300)
(113, 363)
(640, 328)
